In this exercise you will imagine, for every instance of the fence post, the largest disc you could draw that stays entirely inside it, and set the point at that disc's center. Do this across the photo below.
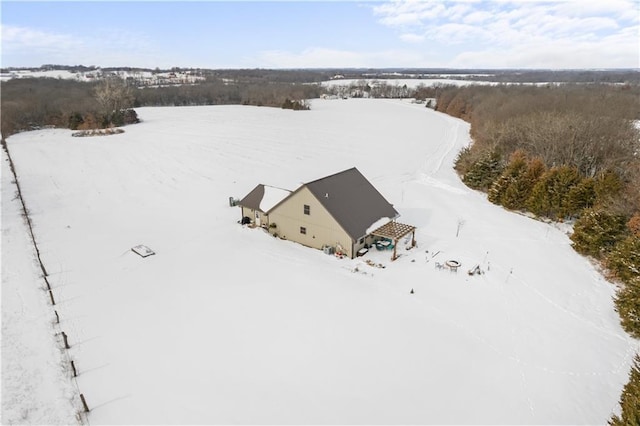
(73, 367)
(57, 317)
(66, 342)
(84, 403)
(53, 302)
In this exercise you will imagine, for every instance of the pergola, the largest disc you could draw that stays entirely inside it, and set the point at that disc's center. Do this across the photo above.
(394, 231)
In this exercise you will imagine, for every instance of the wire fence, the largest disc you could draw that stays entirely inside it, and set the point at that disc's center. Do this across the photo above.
(79, 400)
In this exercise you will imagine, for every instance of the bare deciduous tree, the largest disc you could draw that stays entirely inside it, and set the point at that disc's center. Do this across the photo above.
(113, 96)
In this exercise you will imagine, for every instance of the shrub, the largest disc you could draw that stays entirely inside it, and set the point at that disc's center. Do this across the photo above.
(294, 105)
(75, 120)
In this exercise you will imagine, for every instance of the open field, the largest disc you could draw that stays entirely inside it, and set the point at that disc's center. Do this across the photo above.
(226, 324)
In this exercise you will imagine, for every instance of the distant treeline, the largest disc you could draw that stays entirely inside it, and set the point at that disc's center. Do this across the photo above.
(31, 103)
(310, 75)
(216, 91)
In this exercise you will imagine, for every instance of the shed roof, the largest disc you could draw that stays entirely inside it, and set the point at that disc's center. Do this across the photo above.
(264, 197)
(352, 201)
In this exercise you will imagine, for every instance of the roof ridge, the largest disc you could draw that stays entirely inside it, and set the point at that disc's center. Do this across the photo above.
(332, 175)
(276, 187)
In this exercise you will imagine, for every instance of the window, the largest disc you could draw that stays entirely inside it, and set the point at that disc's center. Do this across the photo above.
(303, 230)
(307, 209)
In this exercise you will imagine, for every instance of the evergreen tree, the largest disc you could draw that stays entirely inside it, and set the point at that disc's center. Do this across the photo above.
(516, 167)
(548, 196)
(628, 306)
(580, 197)
(607, 187)
(519, 191)
(630, 399)
(484, 172)
(597, 232)
(624, 259)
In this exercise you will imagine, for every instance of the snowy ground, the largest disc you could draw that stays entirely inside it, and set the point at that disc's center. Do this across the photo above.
(225, 324)
(36, 385)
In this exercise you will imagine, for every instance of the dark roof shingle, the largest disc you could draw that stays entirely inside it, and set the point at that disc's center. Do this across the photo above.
(252, 200)
(352, 201)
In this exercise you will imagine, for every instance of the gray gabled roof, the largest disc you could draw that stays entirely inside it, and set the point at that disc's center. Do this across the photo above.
(352, 201)
(252, 199)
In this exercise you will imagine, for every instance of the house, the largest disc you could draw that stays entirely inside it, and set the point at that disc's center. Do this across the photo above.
(337, 211)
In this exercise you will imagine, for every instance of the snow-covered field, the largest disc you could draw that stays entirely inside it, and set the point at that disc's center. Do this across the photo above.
(226, 324)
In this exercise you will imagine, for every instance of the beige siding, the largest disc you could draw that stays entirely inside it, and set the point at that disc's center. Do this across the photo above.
(251, 213)
(321, 228)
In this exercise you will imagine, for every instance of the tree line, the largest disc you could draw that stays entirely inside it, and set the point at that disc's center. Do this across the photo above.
(565, 152)
(33, 103)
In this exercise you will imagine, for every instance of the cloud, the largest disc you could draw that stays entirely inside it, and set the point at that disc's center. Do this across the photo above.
(412, 38)
(410, 12)
(16, 38)
(528, 33)
(23, 46)
(613, 53)
(477, 17)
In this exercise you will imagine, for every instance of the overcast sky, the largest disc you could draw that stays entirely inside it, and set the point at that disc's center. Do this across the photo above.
(304, 34)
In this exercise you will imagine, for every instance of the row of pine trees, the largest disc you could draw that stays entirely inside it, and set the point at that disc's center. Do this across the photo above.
(601, 200)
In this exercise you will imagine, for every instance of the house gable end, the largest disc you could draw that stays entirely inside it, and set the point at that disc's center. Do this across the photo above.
(352, 201)
(320, 227)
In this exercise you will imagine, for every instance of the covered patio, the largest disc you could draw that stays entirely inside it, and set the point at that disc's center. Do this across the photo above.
(394, 231)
